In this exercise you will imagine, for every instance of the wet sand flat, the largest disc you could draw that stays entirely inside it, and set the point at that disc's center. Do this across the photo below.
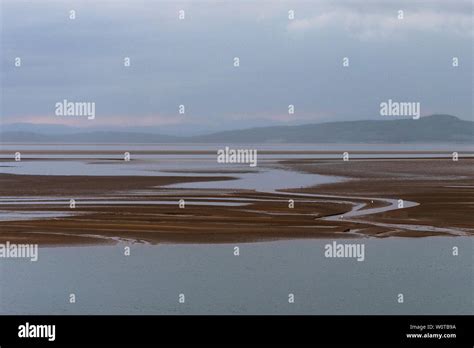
(443, 191)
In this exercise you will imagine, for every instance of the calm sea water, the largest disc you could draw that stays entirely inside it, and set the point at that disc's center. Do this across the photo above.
(214, 281)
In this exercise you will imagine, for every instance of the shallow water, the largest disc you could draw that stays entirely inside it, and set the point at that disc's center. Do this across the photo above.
(6, 215)
(266, 180)
(261, 179)
(100, 163)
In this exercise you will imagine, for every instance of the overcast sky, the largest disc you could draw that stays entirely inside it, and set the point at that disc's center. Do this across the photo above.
(190, 61)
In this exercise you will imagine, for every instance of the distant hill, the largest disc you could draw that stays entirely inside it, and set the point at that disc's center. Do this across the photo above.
(436, 128)
(429, 129)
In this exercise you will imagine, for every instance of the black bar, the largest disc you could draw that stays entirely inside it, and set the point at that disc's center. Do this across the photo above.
(289, 330)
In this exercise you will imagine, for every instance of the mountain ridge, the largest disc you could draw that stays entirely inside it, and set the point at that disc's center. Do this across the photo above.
(433, 128)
